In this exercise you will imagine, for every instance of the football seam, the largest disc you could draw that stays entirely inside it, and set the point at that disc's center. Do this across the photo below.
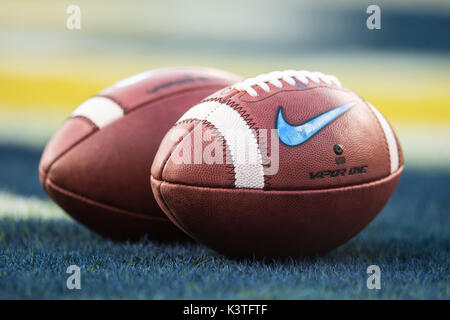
(172, 149)
(72, 145)
(245, 115)
(230, 167)
(93, 125)
(170, 215)
(128, 110)
(226, 152)
(380, 128)
(105, 206)
(339, 188)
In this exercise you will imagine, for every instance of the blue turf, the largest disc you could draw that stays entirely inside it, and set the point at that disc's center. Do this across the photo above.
(19, 170)
(410, 241)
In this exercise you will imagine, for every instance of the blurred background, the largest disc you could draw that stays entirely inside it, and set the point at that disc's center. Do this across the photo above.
(47, 70)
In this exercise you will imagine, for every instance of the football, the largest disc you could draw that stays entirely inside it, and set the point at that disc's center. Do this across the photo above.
(288, 163)
(96, 166)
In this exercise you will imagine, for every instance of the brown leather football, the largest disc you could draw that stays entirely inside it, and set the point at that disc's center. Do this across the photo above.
(285, 164)
(96, 166)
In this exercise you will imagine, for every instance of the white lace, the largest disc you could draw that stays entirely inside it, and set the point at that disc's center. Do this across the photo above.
(288, 75)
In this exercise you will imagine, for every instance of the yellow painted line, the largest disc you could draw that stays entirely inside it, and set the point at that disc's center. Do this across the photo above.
(58, 86)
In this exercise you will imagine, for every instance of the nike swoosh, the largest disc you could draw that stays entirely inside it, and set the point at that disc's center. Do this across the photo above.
(296, 135)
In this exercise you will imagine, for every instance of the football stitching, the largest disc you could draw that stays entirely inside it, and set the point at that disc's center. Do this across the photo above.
(173, 149)
(226, 152)
(269, 95)
(252, 125)
(276, 79)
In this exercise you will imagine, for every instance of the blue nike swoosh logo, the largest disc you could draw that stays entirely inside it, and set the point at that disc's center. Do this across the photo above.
(296, 135)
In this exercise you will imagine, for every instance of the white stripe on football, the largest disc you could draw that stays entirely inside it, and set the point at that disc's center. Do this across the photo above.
(392, 143)
(100, 110)
(239, 137)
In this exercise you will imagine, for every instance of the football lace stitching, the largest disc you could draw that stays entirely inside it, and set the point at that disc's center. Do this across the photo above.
(289, 76)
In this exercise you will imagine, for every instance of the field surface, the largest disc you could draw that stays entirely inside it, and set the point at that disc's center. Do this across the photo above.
(410, 242)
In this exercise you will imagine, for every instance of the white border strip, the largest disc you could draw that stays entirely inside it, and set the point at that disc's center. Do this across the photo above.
(100, 110)
(390, 137)
(240, 139)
